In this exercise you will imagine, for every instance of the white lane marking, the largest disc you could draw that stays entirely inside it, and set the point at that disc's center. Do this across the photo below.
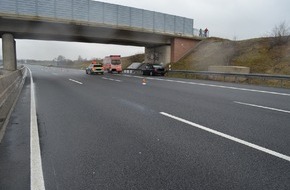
(240, 141)
(130, 76)
(264, 107)
(36, 172)
(54, 73)
(111, 79)
(216, 86)
(78, 82)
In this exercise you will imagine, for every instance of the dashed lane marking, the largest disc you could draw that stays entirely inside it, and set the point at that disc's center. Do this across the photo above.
(110, 79)
(263, 107)
(237, 140)
(78, 82)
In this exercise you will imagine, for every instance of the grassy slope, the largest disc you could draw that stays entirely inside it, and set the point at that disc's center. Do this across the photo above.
(127, 61)
(261, 55)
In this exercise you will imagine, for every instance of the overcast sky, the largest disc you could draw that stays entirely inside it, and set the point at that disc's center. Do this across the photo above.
(231, 19)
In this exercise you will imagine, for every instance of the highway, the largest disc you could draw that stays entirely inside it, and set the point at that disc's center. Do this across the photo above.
(114, 132)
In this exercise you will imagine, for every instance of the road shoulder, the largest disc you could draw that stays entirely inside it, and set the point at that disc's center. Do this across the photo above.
(15, 146)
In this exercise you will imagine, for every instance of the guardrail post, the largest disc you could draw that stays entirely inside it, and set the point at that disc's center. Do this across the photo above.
(281, 83)
(264, 80)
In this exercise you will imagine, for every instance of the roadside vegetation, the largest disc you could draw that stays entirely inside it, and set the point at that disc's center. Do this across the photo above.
(267, 55)
(257, 54)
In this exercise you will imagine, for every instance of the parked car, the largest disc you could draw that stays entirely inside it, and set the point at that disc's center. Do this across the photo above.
(95, 69)
(154, 69)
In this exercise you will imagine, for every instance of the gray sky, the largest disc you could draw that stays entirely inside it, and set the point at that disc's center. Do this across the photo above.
(240, 19)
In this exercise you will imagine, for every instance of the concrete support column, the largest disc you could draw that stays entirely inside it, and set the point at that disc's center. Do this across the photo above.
(160, 54)
(9, 52)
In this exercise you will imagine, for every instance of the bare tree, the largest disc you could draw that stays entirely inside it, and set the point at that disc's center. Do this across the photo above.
(281, 34)
(281, 30)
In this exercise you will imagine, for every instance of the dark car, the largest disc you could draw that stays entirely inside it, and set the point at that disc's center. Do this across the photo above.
(154, 69)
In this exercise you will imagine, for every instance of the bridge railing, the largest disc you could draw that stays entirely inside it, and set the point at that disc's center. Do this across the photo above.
(100, 13)
(280, 80)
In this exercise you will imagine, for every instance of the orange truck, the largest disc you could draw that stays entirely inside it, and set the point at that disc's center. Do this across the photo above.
(112, 63)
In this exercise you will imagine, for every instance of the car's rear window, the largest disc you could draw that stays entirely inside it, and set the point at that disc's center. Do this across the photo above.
(97, 65)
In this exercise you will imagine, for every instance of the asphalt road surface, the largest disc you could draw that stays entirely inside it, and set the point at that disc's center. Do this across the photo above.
(114, 132)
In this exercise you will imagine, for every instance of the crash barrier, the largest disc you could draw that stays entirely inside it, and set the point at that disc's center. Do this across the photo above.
(257, 79)
(10, 86)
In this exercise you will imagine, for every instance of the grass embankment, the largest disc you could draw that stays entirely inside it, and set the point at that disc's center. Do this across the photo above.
(127, 61)
(262, 55)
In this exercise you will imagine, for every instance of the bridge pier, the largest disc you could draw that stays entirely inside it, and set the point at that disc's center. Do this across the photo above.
(9, 52)
(158, 54)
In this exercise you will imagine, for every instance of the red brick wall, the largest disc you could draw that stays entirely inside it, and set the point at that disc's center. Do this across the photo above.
(180, 46)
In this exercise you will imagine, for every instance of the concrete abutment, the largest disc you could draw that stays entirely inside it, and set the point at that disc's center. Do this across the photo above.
(172, 53)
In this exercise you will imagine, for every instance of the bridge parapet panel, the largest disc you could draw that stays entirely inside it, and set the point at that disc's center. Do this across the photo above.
(81, 10)
(148, 20)
(110, 14)
(27, 7)
(137, 18)
(46, 8)
(179, 24)
(159, 22)
(96, 12)
(63, 9)
(124, 16)
(8, 6)
(169, 23)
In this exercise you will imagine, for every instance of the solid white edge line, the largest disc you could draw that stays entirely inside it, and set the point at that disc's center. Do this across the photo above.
(216, 86)
(75, 81)
(264, 107)
(36, 172)
(240, 141)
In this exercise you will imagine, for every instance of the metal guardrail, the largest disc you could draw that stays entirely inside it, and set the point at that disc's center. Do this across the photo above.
(223, 76)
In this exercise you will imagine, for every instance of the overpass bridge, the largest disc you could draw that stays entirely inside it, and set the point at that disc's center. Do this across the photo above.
(166, 38)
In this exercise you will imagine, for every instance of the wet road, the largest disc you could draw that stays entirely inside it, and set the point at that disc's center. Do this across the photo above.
(113, 132)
